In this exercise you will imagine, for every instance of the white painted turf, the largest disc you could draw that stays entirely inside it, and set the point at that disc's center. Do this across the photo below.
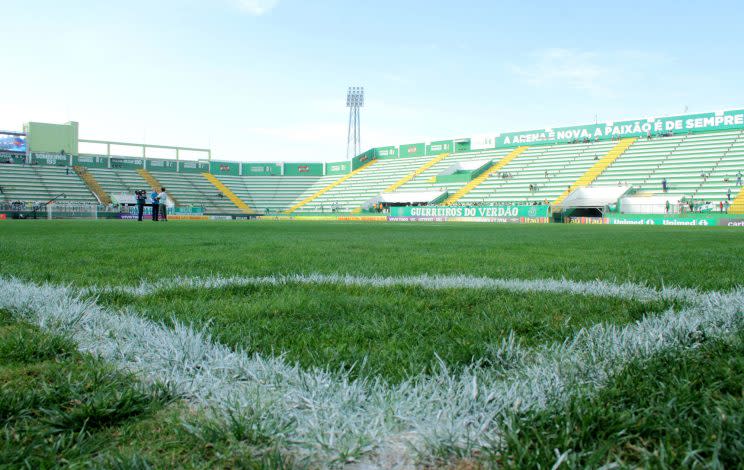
(325, 419)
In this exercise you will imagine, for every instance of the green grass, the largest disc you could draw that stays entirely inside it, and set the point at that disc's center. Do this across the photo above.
(62, 408)
(679, 410)
(386, 332)
(94, 252)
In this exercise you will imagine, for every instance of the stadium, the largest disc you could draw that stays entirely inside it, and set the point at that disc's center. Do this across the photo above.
(666, 170)
(558, 297)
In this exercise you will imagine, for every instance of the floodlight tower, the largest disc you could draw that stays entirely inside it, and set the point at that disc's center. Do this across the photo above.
(354, 101)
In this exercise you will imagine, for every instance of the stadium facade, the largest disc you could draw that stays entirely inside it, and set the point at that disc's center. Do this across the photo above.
(687, 168)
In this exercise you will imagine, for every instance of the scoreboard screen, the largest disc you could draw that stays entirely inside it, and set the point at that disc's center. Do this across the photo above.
(12, 142)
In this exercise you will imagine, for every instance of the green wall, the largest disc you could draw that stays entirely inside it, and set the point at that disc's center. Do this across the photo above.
(90, 161)
(462, 145)
(13, 158)
(386, 152)
(162, 165)
(52, 138)
(126, 163)
(363, 158)
(193, 167)
(704, 122)
(412, 150)
(51, 159)
(224, 168)
(261, 169)
(303, 169)
(338, 168)
(439, 147)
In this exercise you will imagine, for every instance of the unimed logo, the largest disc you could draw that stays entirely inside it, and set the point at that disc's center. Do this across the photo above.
(411, 149)
(303, 169)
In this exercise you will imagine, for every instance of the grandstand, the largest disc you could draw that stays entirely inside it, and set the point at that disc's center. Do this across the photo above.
(701, 166)
(275, 193)
(699, 156)
(36, 183)
(118, 182)
(195, 190)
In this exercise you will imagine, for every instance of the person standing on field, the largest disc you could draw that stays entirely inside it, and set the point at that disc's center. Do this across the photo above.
(163, 199)
(154, 197)
(141, 197)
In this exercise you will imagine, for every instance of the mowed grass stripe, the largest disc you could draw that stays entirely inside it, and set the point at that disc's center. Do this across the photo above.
(122, 252)
(393, 333)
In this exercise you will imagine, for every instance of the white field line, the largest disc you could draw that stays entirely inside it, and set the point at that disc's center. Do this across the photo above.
(598, 288)
(324, 418)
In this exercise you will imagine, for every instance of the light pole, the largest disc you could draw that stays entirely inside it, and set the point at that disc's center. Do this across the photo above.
(354, 101)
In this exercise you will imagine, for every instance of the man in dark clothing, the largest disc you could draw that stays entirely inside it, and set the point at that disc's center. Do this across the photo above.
(140, 204)
(155, 205)
(664, 184)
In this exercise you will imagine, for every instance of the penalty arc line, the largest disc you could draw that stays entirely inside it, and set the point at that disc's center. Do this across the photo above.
(323, 417)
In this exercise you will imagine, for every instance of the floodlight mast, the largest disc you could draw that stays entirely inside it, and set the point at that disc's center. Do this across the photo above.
(354, 101)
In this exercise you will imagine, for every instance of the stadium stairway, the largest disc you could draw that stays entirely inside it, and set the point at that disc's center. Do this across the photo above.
(427, 180)
(155, 184)
(192, 189)
(592, 173)
(93, 184)
(118, 181)
(244, 208)
(485, 175)
(737, 205)
(274, 194)
(416, 172)
(329, 187)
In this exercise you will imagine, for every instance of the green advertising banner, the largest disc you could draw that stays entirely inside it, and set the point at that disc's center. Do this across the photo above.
(363, 159)
(386, 152)
(303, 169)
(224, 168)
(514, 214)
(700, 220)
(126, 163)
(91, 161)
(193, 167)
(162, 165)
(261, 169)
(638, 128)
(15, 158)
(340, 168)
(51, 159)
(412, 150)
(462, 145)
(438, 147)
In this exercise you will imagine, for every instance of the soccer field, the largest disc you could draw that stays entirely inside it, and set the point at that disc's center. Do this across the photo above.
(283, 344)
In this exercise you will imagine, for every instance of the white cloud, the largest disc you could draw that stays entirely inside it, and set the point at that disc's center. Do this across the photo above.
(256, 7)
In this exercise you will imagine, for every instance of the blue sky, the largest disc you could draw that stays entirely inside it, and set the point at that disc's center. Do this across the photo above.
(266, 79)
